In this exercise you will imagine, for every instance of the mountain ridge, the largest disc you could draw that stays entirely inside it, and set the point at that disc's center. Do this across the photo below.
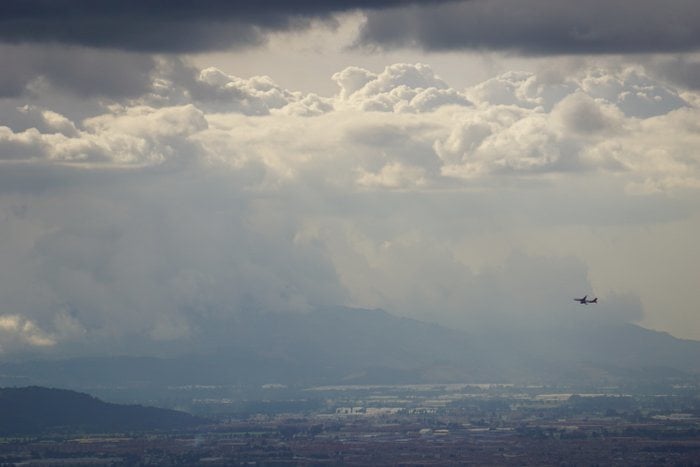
(35, 409)
(347, 346)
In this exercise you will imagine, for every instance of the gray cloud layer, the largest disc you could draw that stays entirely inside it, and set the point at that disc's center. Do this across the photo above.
(162, 25)
(541, 26)
(83, 72)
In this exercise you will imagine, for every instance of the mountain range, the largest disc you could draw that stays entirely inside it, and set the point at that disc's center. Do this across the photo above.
(355, 346)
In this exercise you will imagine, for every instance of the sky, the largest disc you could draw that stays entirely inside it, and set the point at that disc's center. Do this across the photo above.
(166, 166)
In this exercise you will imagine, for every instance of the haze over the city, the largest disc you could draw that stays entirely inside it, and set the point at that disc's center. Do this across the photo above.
(167, 166)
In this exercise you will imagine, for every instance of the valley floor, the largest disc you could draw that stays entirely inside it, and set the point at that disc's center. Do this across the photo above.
(399, 439)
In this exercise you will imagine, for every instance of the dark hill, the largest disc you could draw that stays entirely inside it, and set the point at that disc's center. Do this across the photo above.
(34, 410)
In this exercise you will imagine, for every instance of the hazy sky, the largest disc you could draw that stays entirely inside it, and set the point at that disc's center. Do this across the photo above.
(167, 165)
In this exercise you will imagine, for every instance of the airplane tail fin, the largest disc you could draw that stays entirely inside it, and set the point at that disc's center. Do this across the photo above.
(595, 300)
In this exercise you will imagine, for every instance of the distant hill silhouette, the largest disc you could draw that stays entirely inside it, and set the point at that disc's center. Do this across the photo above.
(34, 410)
(371, 346)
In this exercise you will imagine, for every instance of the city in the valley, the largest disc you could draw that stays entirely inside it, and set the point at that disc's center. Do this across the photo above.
(423, 424)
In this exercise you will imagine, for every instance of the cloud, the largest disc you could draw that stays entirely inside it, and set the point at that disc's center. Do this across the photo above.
(78, 71)
(634, 92)
(165, 215)
(19, 333)
(133, 136)
(400, 87)
(176, 83)
(540, 26)
(163, 255)
(582, 114)
(402, 128)
(164, 26)
(680, 70)
(47, 121)
(523, 89)
(419, 272)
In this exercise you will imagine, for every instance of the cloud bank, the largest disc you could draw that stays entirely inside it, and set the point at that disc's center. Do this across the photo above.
(167, 213)
(165, 26)
(539, 27)
(531, 27)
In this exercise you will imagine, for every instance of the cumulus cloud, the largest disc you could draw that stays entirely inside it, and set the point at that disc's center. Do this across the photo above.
(540, 26)
(19, 333)
(435, 135)
(212, 90)
(47, 121)
(511, 139)
(137, 135)
(400, 87)
(630, 89)
(635, 93)
(515, 123)
(582, 114)
(522, 89)
(525, 124)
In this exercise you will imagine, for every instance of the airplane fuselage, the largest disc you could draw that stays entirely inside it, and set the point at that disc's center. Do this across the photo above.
(585, 301)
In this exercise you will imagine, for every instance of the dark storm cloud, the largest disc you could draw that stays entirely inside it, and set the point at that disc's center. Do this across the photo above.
(541, 26)
(83, 72)
(164, 25)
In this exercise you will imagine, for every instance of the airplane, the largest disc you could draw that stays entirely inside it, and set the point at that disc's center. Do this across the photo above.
(585, 301)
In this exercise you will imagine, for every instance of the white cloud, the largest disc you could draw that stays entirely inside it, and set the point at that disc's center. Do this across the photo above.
(19, 333)
(582, 115)
(522, 89)
(399, 88)
(522, 125)
(212, 90)
(394, 175)
(137, 135)
(254, 96)
(630, 89)
(47, 121)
